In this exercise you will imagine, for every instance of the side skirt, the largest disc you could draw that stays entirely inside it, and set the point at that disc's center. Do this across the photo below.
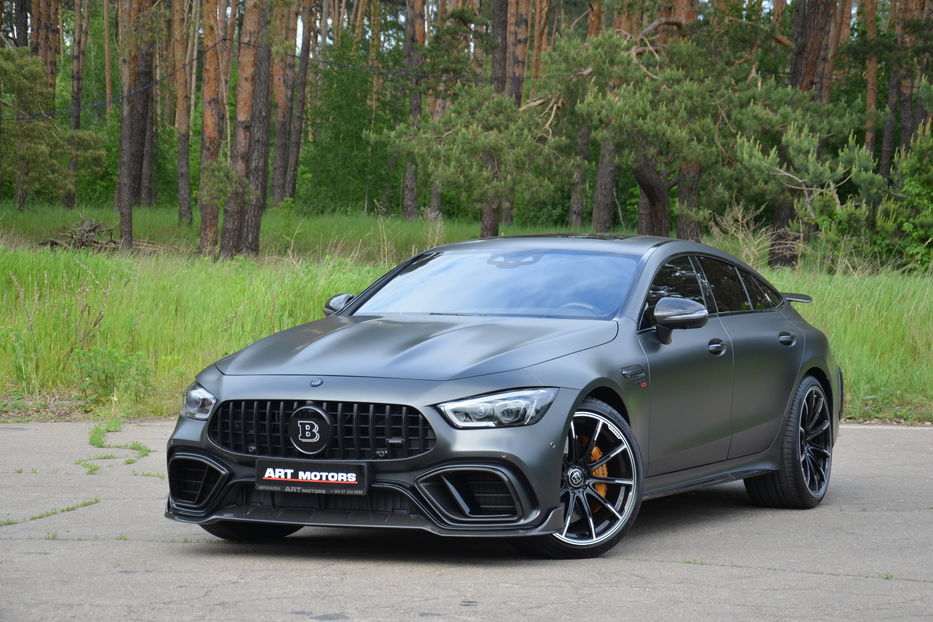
(709, 475)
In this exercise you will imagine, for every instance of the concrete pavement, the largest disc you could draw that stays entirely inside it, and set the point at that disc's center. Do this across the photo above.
(866, 553)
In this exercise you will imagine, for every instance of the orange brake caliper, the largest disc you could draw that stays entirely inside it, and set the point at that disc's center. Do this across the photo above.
(602, 471)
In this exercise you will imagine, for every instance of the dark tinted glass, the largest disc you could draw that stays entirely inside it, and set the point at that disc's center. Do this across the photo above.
(762, 295)
(675, 279)
(726, 285)
(526, 283)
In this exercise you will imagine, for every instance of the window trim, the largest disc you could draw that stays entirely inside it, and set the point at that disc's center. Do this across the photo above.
(738, 270)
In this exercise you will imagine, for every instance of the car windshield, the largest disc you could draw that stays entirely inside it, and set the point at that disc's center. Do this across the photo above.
(539, 283)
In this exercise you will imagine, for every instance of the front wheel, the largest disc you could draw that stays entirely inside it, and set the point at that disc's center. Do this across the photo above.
(249, 532)
(600, 487)
(806, 453)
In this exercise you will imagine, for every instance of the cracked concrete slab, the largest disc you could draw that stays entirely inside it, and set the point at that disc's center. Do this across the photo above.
(864, 554)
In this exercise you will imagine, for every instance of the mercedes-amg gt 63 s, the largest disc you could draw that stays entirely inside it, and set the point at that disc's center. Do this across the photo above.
(531, 388)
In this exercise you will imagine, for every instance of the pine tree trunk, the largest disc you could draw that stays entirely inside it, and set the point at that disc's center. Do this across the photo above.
(182, 129)
(604, 202)
(542, 11)
(519, 52)
(905, 106)
(838, 26)
(890, 122)
(869, 11)
(654, 206)
(258, 174)
(211, 109)
(812, 21)
(282, 79)
(147, 169)
(79, 42)
(231, 233)
(108, 66)
(594, 22)
(777, 12)
(300, 91)
(688, 203)
(21, 22)
(783, 251)
(578, 189)
(434, 212)
(500, 40)
(136, 63)
(413, 62)
(489, 227)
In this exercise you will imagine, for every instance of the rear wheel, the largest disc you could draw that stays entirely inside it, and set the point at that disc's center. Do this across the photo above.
(806, 453)
(600, 488)
(249, 532)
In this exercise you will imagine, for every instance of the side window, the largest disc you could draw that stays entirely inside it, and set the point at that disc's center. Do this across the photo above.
(726, 284)
(676, 279)
(763, 295)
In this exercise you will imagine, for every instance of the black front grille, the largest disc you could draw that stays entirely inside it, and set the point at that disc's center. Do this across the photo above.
(465, 494)
(192, 482)
(361, 431)
(490, 492)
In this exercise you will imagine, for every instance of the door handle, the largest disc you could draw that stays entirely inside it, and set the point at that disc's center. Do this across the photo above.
(787, 339)
(717, 347)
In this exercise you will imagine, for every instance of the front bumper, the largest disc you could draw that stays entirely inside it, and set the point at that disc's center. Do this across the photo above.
(472, 482)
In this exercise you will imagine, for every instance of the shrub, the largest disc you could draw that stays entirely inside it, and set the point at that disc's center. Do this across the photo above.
(104, 372)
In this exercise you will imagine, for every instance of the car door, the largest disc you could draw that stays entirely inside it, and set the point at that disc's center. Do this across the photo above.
(689, 380)
(766, 347)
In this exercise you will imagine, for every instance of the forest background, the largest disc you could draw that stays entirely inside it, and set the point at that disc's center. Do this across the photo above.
(334, 137)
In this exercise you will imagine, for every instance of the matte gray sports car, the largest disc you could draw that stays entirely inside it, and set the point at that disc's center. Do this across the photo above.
(537, 388)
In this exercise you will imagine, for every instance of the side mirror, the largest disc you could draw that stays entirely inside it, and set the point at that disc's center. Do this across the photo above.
(336, 303)
(671, 313)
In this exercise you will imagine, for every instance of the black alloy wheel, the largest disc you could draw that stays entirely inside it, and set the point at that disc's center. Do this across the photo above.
(601, 485)
(807, 453)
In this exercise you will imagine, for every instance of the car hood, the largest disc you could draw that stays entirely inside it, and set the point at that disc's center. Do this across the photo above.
(416, 347)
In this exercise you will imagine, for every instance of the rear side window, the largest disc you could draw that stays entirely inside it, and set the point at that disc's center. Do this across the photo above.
(763, 295)
(675, 279)
(726, 284)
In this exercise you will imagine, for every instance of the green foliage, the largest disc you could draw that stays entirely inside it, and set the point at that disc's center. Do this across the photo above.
(34, 149)
(341, 170)
(905, 220)
(482, 149)
(845, 206)
(103, 372)
(176, 313)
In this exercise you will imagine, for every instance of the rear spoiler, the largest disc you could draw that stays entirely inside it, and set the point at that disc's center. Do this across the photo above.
(796, 297)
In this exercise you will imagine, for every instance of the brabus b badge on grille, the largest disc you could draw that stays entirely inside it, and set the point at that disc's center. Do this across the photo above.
(310, 430)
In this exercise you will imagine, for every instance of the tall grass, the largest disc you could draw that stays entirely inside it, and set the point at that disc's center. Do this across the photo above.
(384, 240)
(69, 313)
(123, 334)
(880, 327)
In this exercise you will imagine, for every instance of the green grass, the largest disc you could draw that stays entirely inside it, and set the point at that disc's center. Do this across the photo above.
(122, 335)
(367, 238)
(53, 512)
(880, 327)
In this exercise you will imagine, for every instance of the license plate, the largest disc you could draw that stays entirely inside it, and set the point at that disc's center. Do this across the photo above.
(311, 477)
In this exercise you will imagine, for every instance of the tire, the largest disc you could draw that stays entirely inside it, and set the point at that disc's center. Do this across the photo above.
(249, 532)
(806, 453)
(601, 486)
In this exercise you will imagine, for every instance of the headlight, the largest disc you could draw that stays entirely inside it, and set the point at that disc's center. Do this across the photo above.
(198, 402)
(522, 407)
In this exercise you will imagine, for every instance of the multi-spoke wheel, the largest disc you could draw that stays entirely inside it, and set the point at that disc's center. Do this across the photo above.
(249, 532)
(600, 488)
(806, 454)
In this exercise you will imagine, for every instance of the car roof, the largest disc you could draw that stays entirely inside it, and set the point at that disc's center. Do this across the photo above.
(593, 242)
